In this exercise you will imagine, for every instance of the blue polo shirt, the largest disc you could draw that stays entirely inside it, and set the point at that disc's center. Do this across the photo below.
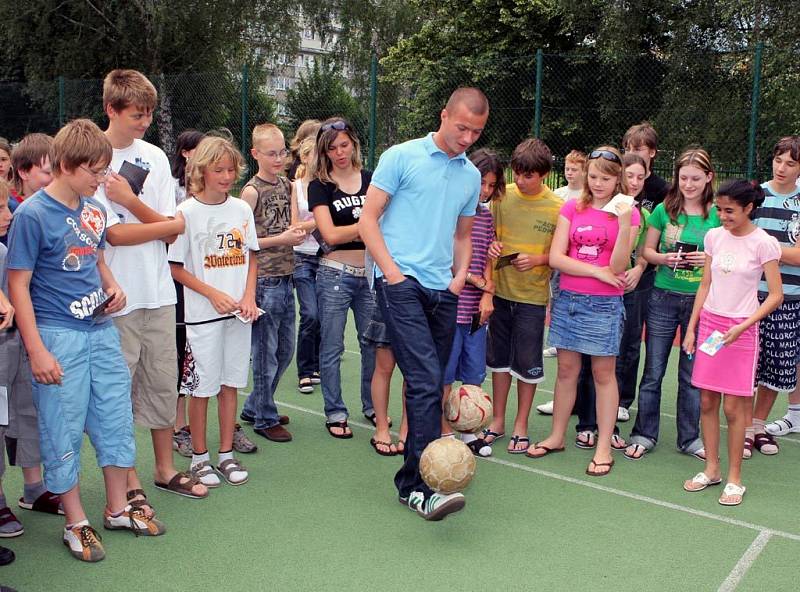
(428, 192)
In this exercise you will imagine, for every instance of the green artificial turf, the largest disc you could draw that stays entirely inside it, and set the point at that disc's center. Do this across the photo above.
(322, 514)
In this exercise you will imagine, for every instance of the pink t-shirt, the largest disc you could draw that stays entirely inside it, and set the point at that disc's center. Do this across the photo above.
(592, 235)
(737, 263)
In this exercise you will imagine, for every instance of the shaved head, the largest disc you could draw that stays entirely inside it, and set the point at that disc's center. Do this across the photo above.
(472, 98)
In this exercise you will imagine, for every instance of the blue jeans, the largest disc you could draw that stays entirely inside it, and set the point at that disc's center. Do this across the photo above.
(337, 293)
(305, 282)
(421, 323)
(272, 344)
(666, 312)
(627, 369)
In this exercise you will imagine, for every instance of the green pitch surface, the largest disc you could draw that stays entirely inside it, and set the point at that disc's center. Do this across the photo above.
(322, 514)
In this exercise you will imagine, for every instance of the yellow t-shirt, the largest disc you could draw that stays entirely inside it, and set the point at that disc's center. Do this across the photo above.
(525, 224)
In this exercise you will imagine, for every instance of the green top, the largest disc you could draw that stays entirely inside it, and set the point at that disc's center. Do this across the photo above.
(689, 229)
(641, 236)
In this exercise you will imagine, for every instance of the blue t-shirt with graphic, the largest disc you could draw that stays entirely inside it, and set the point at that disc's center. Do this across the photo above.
(59, 245)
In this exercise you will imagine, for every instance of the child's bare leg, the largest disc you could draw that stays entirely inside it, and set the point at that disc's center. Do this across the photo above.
(226, 408)
(709, 426)
(116, 479)
(525, 392)
(606, 404)
(180, 414)
(71, 501)
(381, 383)
(446, 427)
(403, 434)
(735, 412)
(31, 474)
(501, 384)
(569, 367)
(198, 417)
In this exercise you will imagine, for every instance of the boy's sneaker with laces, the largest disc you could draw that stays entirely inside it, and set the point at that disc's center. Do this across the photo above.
(204, 472)
(84, 542)
(414, 500)
(439, 505)
(135, 520)
(182, 442)
(241, 443)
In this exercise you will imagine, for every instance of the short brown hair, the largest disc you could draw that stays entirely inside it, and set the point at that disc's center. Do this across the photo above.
(469, 96)
(641, 134)
(30, 152)
(532, 156)
(576, 156)
(790, 144)
(4, 190)
(79, 142)
(210, 150)
(123, 88)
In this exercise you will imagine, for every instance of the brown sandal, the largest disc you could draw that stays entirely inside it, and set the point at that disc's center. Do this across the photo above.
(49, 503)
(375, 443)
(139, 503)
(181, 484)
(595, 472)
(342, 425)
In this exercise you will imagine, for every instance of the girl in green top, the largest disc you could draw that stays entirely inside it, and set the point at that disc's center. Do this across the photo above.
(674, 243)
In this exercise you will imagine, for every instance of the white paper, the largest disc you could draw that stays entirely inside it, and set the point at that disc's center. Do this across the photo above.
(610, 207)
(239, 316)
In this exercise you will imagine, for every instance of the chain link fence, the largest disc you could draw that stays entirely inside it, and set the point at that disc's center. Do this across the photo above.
(735, 104)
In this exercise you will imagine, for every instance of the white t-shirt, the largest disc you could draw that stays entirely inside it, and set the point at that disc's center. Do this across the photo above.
(566, 193)
(142, 270)
(310, 246)
(215, 248)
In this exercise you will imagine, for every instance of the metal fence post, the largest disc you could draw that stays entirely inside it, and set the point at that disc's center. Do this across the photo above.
(751, 144)
(373, 110)
(245, 108)
(60, 101)
(537, 114)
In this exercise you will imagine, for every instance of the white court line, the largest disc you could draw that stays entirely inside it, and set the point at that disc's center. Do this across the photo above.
(745, 562)
(634, 408)
(596, 486)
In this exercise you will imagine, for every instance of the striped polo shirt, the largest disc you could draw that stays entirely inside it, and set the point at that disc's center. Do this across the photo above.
(482, 236)
(779, 215)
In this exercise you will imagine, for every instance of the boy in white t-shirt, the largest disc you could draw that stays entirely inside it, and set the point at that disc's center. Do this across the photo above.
(139, 197)
(213, 261)
(573, 173)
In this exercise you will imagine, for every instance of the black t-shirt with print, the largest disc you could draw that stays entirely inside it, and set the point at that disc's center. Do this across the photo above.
(345, 208)
(653, 193)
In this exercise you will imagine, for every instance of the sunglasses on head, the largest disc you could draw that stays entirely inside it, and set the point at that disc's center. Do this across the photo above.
(339, 125)
(605, 155)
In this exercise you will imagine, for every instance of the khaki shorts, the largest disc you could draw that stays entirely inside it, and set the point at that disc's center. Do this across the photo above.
(148, 344)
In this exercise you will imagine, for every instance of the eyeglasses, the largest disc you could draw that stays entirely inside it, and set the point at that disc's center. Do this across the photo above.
(605, 155)
(339, 125)
(274, 155)
(98, 174)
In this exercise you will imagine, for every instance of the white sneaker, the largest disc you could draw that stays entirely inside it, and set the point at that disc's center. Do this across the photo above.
(545, 408)
(781, 427)
(83, 542)
(204, 473)
(623, 414)
(549, 352)
(439, 505)
(135, 520)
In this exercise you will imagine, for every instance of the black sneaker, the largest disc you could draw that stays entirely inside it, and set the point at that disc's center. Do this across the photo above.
(247, 418)
(6, 556)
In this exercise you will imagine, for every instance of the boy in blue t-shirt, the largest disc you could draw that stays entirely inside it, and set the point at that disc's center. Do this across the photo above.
(62, 291)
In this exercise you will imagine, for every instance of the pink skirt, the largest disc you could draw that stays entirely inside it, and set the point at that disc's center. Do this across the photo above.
(732, 371)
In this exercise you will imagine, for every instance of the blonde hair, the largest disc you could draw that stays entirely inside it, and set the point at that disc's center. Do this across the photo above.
(123, 88)
(306, 148)
(606, 167)
(266, 131)
(4, 190)
(79, 142)
(307, 129)
(209, 151)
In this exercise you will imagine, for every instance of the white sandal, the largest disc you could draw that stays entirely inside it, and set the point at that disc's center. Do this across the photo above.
(732, 491)
(699, 482)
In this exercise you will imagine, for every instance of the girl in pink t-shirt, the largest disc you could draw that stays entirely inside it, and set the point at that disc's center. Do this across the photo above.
(726, 306)
(591, 248)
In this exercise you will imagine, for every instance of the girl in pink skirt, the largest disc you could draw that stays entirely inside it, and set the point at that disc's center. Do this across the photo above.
(726, 306)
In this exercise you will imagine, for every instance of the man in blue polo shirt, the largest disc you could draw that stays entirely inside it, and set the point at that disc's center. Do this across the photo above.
(425, 193)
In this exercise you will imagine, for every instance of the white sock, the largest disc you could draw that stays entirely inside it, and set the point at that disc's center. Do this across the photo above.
(198, 458)
(223, 456)
(758, 426)
(467, 438)
(84, 522)
(793, 414)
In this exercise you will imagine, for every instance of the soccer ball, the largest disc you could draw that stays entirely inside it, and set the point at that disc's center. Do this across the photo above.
(468, 409)
(447, 465)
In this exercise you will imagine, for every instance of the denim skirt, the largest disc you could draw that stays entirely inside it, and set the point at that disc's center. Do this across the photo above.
(587, 324)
